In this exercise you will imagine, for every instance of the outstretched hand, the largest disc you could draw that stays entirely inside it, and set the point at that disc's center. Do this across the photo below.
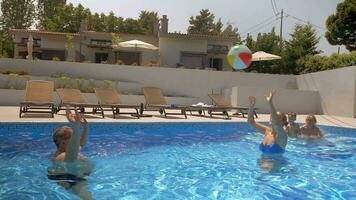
(270, 96)
(252, 100)
(75, 118)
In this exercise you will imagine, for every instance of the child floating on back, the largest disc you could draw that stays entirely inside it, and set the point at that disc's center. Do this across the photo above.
(310, 129)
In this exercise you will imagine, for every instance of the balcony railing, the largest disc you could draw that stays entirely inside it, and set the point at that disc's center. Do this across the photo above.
(100, 43)
(36, 42)
(217, 49)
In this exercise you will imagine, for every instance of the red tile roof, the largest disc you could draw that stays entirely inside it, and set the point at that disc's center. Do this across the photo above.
(42, 32)
(198, 36)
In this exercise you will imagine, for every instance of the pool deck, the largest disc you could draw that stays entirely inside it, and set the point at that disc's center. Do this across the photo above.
(11, 114)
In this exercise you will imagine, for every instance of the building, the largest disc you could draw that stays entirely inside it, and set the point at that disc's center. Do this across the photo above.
(175, 49)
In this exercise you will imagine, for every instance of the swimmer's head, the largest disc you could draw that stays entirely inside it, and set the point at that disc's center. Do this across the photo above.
(282, 117)
(310, 120)
(62, 136)
(292, 117)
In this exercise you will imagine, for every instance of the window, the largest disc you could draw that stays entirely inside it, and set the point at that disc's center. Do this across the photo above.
(36, 42)
(217, 49)
(101, 57)
(101, 42)
(216, 63)
(193, 60)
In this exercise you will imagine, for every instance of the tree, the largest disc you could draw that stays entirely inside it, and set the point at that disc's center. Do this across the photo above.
(47, 9)
(67, 18)
(303, 42)
(132, 26)
(250, 43)
(217, 28)
(319, 63)
(269, 43)
(113, 24)
(147, 20)
(202, 24)
(17, 14)
(231, 32)
(97, 23)
(342, 25)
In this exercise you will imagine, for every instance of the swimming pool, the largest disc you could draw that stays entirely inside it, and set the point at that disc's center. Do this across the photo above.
(180, 161)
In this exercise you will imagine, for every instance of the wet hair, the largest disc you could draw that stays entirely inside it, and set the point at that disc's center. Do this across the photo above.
(311, 117)
(283, 118)
(59, 134)
(292, 114)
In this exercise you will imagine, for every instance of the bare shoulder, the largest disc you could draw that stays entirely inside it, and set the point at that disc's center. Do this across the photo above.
(60, 156)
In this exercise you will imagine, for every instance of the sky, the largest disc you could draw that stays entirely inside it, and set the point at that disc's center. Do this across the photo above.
(247, 15)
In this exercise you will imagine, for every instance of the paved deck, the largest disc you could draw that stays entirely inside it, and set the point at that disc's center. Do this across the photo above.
(11, 114)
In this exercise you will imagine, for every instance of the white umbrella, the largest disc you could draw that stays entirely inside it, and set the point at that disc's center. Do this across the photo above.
(261, 56)
(30, 47)
(136, 44)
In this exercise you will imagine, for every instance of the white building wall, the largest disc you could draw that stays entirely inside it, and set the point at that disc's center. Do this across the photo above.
(148, 55)
(55, 43)
(173, 82)
(336, 87)
(171, 48)
(285, 100)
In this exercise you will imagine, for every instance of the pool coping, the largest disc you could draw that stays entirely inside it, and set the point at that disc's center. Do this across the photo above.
(9, 114)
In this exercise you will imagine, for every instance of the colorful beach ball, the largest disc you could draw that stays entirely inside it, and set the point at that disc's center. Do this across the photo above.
(239, 57)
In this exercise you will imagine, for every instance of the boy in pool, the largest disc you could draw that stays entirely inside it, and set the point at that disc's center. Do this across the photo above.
(275, 139)
(310, 129)
(68, 141)
(293, 128)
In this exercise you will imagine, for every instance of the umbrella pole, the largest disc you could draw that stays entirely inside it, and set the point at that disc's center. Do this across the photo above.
(260, 67)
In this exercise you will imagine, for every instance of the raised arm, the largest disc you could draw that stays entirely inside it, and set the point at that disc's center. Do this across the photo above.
(276, 123)
(84, 138)
(281, 136)
(251, 120)
(72, 149)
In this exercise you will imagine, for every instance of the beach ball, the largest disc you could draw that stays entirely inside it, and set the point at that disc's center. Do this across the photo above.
(239, 57)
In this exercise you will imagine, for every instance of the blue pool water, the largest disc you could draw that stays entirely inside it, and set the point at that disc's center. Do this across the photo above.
(180, 161)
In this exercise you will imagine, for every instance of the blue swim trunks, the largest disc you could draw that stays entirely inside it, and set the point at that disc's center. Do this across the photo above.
(271, 149)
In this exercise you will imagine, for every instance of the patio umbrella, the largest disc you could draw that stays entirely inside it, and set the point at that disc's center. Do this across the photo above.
(30, 47)
(262, 56)
(136, 44)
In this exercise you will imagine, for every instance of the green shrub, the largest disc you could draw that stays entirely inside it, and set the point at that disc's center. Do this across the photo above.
(20, 73)
(320, 63)
(120, 62)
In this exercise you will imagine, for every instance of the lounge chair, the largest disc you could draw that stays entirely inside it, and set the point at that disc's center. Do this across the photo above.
(75, 100)
(110, 98)
(39, 98)
(156, 101)
(222, 105)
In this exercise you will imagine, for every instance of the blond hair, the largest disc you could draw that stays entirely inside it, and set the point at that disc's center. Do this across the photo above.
(311, 117)
(58, 134)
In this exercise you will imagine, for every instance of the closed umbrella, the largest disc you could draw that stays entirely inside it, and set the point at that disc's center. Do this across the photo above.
(30, 47)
